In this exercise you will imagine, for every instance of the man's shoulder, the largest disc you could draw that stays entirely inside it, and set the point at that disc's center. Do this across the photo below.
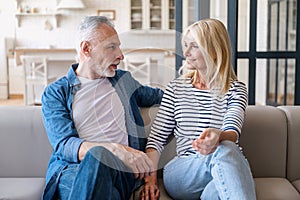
(58, 85)
(122, 75)
(62, 81)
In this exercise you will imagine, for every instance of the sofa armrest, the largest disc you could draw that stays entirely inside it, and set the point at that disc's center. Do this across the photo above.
(293, 125)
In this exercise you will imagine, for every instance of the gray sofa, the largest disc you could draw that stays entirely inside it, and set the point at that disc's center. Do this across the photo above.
(270, 140)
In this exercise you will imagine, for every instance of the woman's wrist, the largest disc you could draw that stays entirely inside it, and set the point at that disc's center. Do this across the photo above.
(227, 135)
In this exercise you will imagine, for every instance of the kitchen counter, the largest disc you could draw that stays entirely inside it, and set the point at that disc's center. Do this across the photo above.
(57, 54)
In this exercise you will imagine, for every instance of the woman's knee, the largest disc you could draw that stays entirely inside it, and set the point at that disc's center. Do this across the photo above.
(229, 152)
(228, 148)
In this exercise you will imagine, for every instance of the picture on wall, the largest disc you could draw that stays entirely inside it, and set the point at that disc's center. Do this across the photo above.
(110, 14)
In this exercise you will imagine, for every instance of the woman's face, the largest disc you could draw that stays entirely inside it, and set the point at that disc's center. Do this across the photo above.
(192, 53)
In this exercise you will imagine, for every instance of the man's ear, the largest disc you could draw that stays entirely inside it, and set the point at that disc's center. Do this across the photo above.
(85, 47)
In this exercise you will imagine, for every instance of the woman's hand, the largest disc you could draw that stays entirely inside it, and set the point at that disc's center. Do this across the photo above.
(150, 190)
(208, 141)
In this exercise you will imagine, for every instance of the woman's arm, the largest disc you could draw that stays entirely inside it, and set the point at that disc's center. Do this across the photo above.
(151, 190)
(232, 122)
(162, 127)
(236, 106)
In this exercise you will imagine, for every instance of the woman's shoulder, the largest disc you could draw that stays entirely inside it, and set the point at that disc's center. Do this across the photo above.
(236, 84)
(238, 88)
(180, 80)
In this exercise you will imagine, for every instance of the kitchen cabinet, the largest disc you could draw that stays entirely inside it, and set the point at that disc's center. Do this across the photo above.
(152, 14)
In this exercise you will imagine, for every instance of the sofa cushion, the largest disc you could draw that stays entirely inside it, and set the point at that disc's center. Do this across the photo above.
(275, 188)
(264, 141)
(21, 188)
(24, 146)
(296, 184)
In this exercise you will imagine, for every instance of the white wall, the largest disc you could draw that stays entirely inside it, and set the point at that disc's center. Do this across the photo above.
(7, 29)
(32, 31)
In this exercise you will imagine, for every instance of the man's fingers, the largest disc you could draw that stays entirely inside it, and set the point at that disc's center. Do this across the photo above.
(140, 164)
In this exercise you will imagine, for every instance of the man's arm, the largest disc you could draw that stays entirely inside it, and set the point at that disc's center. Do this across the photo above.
(149, 96)
(140, 164)
(59, 126)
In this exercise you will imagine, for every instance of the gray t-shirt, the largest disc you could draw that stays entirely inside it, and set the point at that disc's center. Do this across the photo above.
(98, 112)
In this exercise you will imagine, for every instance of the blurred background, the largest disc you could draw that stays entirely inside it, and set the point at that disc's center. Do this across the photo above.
(263, 34)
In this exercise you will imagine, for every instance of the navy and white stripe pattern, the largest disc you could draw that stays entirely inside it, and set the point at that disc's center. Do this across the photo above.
(187, 111)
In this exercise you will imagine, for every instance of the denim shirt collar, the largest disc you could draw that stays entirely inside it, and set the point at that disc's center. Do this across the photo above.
(72, 79)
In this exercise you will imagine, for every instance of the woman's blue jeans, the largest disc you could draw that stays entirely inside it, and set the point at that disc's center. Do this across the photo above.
(100, 175)
(224, 174)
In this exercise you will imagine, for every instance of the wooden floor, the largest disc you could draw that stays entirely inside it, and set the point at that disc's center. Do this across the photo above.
(14, 100)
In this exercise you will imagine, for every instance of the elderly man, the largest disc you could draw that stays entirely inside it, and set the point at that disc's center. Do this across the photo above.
(93, 122)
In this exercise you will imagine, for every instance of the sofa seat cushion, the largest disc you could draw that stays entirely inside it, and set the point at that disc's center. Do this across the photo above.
(275, 188)
(297, 185)
(266, 188)
(22, 188)
(163, 193)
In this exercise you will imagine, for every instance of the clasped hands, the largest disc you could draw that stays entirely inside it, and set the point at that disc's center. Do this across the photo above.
(140, 164)
(142, 167)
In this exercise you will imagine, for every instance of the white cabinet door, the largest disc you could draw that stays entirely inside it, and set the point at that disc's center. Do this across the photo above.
(137, 13)
(152, 14)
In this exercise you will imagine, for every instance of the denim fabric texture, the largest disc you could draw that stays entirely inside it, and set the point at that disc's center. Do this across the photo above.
(58, 120)
(100, 176)
(211, 177)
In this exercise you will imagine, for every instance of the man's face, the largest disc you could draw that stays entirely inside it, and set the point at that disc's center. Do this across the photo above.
(105, 53)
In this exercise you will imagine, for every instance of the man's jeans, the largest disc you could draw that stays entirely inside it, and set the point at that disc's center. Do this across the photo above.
(224, 174)
(100, 175)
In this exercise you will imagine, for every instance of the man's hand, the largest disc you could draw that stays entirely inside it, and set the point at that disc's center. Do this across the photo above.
(140, 164)
(208, 141)
(138, 161)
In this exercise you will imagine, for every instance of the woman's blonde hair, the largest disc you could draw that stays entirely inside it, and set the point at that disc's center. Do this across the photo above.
(214, 44)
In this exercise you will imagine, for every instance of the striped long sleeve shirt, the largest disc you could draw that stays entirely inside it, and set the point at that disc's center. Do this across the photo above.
(186, 112)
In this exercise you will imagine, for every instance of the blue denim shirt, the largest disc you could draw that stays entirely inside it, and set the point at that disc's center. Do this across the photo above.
(58, 119)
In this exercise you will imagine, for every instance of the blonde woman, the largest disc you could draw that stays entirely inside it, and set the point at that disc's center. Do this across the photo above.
(204, 109)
